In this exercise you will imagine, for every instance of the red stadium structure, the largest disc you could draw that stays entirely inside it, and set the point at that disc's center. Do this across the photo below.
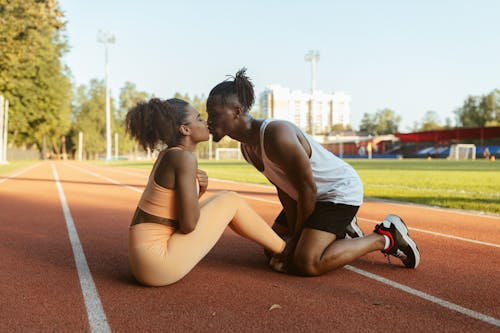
(480, 134)
(417, 144)
(414, 144)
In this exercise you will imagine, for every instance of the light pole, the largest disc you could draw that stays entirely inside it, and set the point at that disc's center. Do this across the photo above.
(312, 57)
(107, 38)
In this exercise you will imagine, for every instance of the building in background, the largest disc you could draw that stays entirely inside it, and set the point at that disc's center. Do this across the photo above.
(316, 113)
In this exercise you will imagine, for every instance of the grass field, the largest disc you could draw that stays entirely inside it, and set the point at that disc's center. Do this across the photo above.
(471, 185)
(14, 165)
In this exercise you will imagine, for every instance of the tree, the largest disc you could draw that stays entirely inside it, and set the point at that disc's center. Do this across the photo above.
(430, 121)
(415, 127)
(200, 104)
(447, 123)
(89, 117)
(387, 121)
(469, 114)
(129, 97)
(32, 76)
(479, 111)
(368, 124)
(384, 121)
(490, 104)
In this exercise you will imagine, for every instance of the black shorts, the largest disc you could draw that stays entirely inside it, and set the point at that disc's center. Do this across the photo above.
(327, 216)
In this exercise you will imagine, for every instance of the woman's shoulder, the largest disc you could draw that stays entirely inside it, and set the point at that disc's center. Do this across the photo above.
(174, 163)
(179, 158)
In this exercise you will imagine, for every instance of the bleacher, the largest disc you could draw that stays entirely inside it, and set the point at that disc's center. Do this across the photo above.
(443, 152)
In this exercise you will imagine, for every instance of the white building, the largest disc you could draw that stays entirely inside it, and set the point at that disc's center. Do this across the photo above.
(314, 113)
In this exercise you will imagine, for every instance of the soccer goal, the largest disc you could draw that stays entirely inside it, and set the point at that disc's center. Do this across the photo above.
(462, 152)
(227, 154)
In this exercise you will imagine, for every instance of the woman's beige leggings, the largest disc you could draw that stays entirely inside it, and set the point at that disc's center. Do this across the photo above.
(159, 256)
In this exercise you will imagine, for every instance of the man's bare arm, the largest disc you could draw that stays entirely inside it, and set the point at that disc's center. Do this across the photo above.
(284, 148)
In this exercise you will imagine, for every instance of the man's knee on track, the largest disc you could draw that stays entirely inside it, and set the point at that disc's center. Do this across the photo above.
(307, 265)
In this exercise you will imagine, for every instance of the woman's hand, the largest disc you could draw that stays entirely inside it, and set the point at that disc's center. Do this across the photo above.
(202, 181)
(281, 261)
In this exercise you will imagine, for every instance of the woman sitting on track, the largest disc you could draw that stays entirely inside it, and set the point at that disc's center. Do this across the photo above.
(172, 230)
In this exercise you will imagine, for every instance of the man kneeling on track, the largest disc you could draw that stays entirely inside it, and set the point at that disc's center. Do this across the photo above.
(319, 192)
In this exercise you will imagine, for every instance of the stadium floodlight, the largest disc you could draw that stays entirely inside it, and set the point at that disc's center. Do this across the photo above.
(313, 57)
(107, 38)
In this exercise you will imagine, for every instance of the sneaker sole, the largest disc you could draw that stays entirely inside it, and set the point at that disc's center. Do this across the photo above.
(355, 227)
(403, 230)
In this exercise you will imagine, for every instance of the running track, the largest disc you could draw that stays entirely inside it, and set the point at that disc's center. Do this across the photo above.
(63, 268)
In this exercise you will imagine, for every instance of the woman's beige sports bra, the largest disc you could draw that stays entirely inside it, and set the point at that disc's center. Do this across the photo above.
(158, 200)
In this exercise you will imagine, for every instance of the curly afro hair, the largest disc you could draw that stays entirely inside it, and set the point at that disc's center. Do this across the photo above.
(156, 121)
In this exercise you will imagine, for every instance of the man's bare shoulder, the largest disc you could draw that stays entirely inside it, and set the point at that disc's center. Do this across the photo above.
(281, 141)
(281, 130)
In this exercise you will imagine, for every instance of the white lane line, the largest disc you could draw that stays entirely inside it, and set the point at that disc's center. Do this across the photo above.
(433, 299)
(441, 209)
(128, 173)
(14, 175)
(95, 312)
(112, 181)
(394, 202)
(276, 202)
(410, 228)
(427, 297)
(125, 172)
(440, 234)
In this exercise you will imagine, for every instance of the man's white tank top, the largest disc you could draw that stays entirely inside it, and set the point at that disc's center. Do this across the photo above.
(336, 181)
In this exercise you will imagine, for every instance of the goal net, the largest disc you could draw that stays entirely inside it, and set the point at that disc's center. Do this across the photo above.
(227, 154)
(462, 152)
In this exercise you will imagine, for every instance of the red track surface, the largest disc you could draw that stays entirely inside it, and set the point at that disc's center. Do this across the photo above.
(456, 288)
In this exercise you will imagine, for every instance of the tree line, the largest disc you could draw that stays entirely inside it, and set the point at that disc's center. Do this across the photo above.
(46, 110)
(32, 76)
(476, 111)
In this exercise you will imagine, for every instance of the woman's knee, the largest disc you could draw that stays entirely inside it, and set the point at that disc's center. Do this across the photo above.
(233, 199)
(228, 195)
(221, 197)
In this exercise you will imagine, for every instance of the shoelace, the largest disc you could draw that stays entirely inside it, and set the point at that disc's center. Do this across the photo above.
(399, 254)
(388, 257)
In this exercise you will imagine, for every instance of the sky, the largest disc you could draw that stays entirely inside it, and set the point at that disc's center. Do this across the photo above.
(409, 56)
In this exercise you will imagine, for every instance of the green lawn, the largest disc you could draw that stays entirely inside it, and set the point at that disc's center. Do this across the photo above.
(471, 185)
(12, 166)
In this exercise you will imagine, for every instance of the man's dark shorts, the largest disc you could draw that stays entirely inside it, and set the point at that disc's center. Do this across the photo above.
(327, 216)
